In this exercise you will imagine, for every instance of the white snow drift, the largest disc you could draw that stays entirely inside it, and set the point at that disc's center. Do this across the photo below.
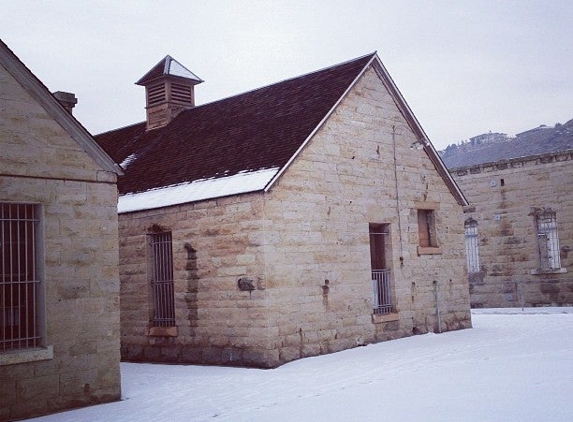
(512, 366)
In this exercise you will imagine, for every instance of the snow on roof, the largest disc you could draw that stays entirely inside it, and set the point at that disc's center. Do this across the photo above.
(128, 160)
(196, 191)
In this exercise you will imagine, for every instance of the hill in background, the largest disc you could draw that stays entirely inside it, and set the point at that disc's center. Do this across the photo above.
(492, 147)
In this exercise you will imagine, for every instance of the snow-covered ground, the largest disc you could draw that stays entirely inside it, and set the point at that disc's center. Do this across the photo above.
(512, 366)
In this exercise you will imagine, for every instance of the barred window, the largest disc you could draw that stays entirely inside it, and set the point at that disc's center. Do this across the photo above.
(472, 245)
(547, 240)
(382, 301)
(20, 295)
(163, 296)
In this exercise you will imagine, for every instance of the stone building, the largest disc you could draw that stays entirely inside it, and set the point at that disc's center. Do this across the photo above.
(59, 281)
(301, 218)
(519, 225)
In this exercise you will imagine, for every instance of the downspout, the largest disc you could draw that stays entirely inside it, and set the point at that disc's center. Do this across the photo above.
(437, 306)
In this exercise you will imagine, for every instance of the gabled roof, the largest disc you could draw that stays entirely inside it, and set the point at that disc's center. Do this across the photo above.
(259, 131)
(534, 142)
(171, 67)
(51, 105)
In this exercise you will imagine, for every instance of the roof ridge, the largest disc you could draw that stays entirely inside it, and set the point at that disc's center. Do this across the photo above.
(121, 128)
(324, 69)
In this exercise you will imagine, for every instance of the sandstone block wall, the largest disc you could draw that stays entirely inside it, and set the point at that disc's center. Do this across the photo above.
(502, 196)
(319, 215)
(312, 226)
(79, 361)
(216, 322)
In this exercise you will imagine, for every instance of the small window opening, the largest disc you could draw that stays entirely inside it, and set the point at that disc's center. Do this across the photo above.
(427, 228)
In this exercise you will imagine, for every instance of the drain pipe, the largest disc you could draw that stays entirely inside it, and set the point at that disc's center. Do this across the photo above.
(437, 306)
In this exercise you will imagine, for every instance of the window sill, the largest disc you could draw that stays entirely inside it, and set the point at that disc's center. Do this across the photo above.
(26, 355)
(380, 318)
(429, 250)
(553, 271)
(162, 332)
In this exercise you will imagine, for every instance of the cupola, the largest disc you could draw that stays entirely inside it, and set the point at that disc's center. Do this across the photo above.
(169, 89)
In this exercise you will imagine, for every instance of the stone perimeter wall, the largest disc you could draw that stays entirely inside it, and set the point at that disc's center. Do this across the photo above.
(40, 164)
(310, 227)
(507, 235)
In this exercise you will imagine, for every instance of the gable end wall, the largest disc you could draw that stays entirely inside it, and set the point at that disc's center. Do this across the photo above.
(41, 164)
(319, 214)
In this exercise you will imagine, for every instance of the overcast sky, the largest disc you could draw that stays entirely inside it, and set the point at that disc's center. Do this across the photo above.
(464, 67)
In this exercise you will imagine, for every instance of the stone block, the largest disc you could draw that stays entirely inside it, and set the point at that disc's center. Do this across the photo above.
(37, 388)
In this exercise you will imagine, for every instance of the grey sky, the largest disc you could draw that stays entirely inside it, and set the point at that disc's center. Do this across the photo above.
(464, 67)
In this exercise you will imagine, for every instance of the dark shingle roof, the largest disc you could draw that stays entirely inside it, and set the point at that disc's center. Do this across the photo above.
(539, 141)
(256, 130)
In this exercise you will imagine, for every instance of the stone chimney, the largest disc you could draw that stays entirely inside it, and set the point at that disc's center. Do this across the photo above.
(169, 89)
(66, 99)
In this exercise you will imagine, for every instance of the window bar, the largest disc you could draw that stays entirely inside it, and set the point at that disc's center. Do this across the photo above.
(381, 290)
(3, 304)
(12, 270)
(2, 281)
(35, 285)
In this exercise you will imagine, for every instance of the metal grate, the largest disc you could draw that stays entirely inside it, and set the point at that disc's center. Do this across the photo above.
(382, 296)
(472, 246)
(162, 280)
(548, 241)
(19, 281)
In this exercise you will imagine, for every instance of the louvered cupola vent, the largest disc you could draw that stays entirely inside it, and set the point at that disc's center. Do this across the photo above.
(155, 94)
(170, 89)
(182, 93)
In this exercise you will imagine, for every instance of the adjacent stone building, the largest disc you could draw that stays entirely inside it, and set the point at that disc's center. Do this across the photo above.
(59, 283)
(301, 218)
(519, 225)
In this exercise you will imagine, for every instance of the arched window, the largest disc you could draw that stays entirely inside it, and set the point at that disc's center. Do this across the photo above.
(472, 245)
